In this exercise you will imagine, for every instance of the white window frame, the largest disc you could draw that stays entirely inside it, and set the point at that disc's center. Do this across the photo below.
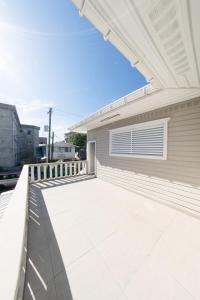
(147, 124)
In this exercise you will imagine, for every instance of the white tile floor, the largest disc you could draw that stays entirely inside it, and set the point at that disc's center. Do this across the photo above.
(96, 241)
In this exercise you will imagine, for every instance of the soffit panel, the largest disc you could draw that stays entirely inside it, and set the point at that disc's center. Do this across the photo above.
(158, 36)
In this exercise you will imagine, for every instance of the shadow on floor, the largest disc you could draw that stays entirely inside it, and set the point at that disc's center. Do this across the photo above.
(51, 183)
(46, 277)
(4, 201)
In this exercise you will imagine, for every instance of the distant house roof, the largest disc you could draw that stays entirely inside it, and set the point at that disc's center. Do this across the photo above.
(30, 126)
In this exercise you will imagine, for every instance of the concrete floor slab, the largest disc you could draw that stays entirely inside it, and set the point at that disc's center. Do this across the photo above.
(92, 240)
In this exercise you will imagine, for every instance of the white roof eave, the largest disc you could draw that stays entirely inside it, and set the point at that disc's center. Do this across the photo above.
(141, 101)
(164, 52)
(104, 111)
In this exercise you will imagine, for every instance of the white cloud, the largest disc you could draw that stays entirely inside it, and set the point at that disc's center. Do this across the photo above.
(34, 105)
(9, 68)
(3, 3)
(28, 105)
(29, 110)
(6, 27)
(14, 82)
(34, 112)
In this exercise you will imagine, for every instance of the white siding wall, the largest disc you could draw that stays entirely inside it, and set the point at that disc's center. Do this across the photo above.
(175, 181)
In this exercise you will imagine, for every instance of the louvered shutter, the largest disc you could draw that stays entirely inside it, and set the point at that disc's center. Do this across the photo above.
(148, 141)
(141, 140)
(121, 142)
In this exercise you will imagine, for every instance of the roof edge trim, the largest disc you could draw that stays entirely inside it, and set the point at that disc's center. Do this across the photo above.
(131, 97)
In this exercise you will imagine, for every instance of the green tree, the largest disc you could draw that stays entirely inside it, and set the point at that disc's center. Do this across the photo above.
(77, 139)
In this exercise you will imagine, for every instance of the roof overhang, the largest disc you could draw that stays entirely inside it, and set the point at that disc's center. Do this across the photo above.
(138, 102)
(161, 39)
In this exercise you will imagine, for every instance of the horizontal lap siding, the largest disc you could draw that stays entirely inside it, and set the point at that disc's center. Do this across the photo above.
(175, 181)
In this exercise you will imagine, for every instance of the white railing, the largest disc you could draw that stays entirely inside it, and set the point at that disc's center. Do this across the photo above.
(46, 171)
(13, 226)
(13, 240)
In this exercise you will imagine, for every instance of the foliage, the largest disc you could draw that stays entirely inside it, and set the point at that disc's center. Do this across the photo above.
(77, 139)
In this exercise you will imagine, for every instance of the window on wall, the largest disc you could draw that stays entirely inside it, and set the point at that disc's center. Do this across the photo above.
(64, 149)
(144, 140)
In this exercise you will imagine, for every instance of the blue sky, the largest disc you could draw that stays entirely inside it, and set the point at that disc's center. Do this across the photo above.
(49, 56)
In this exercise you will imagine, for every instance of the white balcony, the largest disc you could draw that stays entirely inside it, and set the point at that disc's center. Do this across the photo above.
(88, 239)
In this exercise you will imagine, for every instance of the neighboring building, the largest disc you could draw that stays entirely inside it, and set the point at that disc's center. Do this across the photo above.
(42, 148)
(18, 142)
(61, 150)
(29, 141)
(42, 140)
(9, 133)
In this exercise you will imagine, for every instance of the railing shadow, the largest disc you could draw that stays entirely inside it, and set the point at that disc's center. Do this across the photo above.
(51, 183)
(4, 201)
(46, 277)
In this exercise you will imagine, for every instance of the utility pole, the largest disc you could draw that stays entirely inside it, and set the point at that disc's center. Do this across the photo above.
(49, 141)
(52, 145)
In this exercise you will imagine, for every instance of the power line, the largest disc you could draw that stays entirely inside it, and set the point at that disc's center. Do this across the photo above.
(68, 113)
(58, 137)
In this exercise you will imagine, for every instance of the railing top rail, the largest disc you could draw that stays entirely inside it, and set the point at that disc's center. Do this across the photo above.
(57, 163)
(12, 239)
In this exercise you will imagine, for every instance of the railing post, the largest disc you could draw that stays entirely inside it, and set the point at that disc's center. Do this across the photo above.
(38, 173)
(61, 170)
(32, 174)
(50, 171)
(79, 167)
(85, 167)
(70, 169)
(56, 171)
(66, 169)
(45, 172)
(75, 171)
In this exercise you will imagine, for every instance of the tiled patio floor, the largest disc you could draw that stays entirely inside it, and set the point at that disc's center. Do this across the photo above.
(91, 240)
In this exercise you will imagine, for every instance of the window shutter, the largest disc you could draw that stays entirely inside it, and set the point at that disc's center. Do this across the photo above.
(146, 140)
(121, 142)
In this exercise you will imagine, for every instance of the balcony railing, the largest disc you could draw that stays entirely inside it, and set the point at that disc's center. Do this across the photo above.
(14, 224)
(13, 240)
(45, 171)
